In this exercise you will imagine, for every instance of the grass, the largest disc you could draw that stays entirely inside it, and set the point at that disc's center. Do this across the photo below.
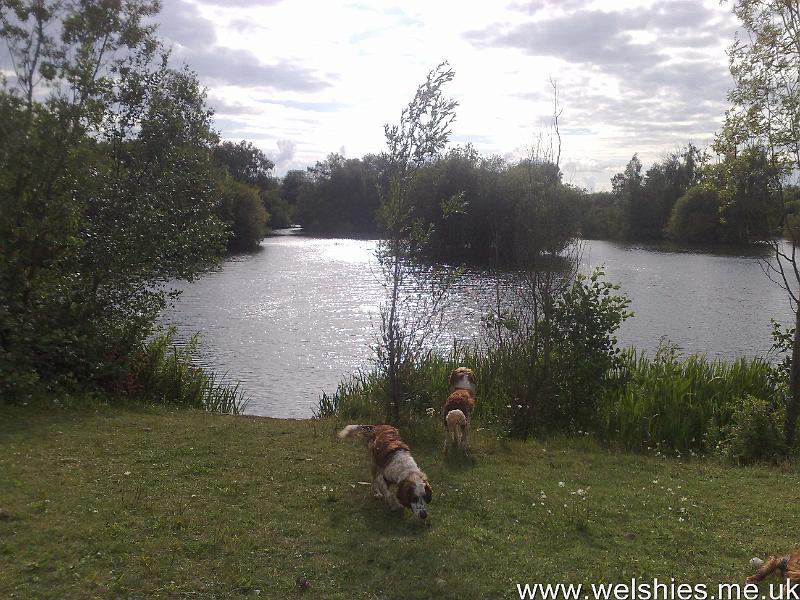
(157, 502)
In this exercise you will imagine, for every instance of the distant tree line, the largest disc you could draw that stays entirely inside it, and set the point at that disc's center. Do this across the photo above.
(688, 198)
(483, 208)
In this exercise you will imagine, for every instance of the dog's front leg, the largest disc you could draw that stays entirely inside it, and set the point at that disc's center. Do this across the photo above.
(377, 478)
(393, 503)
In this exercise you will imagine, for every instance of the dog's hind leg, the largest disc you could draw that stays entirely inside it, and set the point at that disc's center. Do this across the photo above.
(446, 438)
(377, 476)
(464, 431)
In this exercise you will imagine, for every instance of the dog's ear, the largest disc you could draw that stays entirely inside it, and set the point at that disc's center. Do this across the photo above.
(404, 493)
(453, 375)
(428, 493)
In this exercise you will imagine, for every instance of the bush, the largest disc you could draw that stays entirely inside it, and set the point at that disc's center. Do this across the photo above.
(587, 315)
(106, 190)
(561, 390)
(755, 432)
(244, 214)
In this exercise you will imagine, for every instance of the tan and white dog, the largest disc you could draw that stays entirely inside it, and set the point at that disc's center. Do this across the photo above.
(458, 407)
(391, 463)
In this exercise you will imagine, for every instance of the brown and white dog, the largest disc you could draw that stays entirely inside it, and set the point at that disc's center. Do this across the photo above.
(787, 565)
(458, 407)
(391, 463)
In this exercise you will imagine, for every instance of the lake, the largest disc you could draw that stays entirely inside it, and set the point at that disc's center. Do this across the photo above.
(292, 319)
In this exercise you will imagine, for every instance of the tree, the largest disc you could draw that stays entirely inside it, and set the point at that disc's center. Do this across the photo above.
(339, 196)
(628, 186)
(246, 163)
(106, 188)
(243, 211)
(765, 64)
(695, 217)
(415, 297)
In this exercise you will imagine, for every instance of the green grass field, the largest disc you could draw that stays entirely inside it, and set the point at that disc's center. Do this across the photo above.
(152, 502)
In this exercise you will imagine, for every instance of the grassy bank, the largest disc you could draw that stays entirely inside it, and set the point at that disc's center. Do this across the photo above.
(141, 502)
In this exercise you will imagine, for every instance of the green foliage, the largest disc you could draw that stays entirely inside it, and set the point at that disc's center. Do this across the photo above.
(601, 216)
(106, 190)
(755, 432)
(243, 211)
(749, 203)
(162, 372)
(640, 205)
(279, 210)
(582, 349)
(586, 317)
(415, 295)
(677, 404)
(337, 196)
(246, 163)
(695, 217)
(763, 124)
(782, 343)
(244, 187)
(479, 209)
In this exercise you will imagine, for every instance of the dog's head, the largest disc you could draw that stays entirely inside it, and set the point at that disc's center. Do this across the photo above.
(415, 493)
(464, 379)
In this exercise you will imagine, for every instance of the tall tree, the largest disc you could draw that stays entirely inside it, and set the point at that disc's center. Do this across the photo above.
(765, 64)
(414, 300)
(246, 163)
(628, 186)
(105, 187)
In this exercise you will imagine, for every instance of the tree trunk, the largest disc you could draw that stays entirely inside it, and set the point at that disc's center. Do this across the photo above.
(793, 405)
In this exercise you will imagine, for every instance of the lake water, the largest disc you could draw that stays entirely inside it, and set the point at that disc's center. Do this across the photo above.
(292, 319)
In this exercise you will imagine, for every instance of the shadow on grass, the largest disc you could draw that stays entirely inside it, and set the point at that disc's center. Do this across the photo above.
(459, 460)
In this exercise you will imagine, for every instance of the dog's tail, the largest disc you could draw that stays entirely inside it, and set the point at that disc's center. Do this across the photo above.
(356, 431)
(455, 417)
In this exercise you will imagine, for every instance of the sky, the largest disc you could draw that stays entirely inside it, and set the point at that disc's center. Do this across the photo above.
(305, 78)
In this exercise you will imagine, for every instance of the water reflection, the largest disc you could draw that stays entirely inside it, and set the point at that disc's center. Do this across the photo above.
(291, 320)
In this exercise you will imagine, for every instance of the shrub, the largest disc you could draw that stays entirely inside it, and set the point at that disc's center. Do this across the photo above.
(106, 189)
(587, 315)
(755, 431)
(243, 212)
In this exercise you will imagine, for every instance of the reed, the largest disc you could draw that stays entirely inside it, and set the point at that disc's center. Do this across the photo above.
(164, 372)
(679, 404)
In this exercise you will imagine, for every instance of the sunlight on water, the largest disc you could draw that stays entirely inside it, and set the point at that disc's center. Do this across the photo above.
(294, 318)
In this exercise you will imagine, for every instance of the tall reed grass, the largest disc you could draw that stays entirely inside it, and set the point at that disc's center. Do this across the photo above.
(163, 372)
(680, 404)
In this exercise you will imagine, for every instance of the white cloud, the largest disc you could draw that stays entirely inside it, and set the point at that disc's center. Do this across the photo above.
(309, 77)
